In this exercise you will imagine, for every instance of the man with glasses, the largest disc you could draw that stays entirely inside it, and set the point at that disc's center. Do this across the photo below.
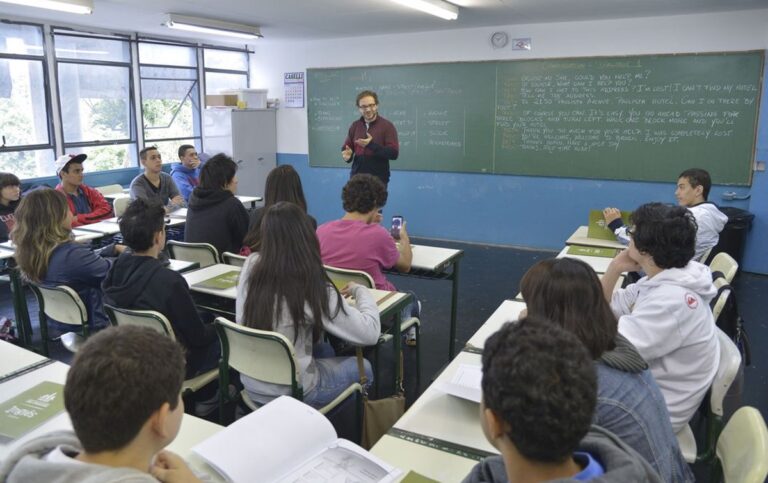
(371, 141)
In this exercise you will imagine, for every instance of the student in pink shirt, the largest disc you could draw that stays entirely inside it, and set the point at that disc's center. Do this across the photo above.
(358, 242)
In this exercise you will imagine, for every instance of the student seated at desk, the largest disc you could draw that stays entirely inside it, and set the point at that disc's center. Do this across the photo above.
(139, 281)
(283, 184)
(629, 403)
(284, 288)
(10, 195)
(87, 204)
(358, 242)
(123, 396)
(539, 395)
(154, 184)
(47, 254)
(186, 173)
(666, 314)
(692, 192)
(215, 215)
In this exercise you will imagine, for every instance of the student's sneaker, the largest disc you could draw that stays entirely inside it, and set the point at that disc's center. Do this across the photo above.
(410, 337)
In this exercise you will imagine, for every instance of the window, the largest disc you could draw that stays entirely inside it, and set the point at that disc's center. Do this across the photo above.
(225, 70)
(26, 148)
(170, 97)
(95, 92)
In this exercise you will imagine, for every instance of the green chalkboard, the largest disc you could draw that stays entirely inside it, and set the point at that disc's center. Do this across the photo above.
(634, 118)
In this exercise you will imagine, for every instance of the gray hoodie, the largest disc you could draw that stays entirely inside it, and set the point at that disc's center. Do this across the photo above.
(28, 464)
(620, 462)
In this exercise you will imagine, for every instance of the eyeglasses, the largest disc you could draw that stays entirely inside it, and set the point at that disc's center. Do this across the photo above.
(630, 231)
(366, 107)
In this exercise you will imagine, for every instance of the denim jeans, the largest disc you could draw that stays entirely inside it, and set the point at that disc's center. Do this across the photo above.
(334, 374)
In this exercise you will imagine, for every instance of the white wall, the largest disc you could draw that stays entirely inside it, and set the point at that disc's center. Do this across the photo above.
(744, 30)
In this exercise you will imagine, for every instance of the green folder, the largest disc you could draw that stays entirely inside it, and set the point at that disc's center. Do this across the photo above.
(30, 409)
(413, 477)
(597, 227)
(592, 251)
(220, 282)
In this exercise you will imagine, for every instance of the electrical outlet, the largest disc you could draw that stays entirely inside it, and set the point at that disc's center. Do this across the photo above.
(759, 165)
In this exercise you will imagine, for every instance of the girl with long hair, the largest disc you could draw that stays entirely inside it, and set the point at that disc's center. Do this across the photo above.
(283, 184)
(629, 403)
(47, 254)
(284, 288)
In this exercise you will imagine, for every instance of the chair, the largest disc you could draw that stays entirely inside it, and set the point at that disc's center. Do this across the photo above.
(720, 302)
(110, 189)
(730, 360)
(705, 256)
(63, 305)
(233, 259)
(119, 205)
(203, 253)
(341, 277)
(725, 264)
(266, 356)
(742, 449)
(159, 322)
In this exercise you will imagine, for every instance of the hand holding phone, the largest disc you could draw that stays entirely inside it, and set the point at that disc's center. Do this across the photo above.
(397, 224)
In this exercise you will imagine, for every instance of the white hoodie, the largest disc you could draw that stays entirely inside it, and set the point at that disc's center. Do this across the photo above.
(668, 319)
(711, 222)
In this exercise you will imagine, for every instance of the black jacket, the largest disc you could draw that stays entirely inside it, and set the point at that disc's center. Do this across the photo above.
(143, 283)
(7, 219)
(216, 217)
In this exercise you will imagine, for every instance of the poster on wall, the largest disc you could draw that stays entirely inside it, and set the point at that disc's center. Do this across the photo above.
(294, 89)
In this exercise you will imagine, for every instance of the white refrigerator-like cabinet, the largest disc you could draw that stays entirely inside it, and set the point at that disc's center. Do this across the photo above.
(249, 136)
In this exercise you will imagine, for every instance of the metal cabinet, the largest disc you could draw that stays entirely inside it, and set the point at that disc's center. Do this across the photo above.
(250, 137)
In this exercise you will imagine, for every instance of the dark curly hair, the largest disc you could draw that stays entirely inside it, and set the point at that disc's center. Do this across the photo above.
(540, 380)
(363, 193)
(698, 177)
(666, 232)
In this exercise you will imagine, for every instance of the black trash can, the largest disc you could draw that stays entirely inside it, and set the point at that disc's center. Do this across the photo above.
(734, 234)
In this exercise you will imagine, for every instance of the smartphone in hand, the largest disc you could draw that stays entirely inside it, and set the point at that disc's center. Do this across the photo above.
(397, 223)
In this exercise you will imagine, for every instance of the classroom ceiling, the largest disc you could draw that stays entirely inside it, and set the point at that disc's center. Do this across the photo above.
(282, 20)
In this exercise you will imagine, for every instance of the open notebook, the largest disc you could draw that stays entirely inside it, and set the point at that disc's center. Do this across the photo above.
(288, 441)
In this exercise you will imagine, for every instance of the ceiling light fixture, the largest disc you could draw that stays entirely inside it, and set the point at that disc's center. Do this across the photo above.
(438, 8)
(84, 7)
(213, 27)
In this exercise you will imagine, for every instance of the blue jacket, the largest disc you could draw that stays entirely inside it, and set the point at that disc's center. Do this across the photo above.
(186, 179)
(77, 266)
(631, 406)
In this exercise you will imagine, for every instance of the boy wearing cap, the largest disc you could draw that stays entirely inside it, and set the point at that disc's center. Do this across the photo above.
(87, 204)
(122, 395)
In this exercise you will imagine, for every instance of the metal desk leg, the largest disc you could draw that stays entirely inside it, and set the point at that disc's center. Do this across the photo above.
(397, 348)
(454, 302)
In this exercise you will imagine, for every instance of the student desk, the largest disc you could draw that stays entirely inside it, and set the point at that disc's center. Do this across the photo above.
(193, 430)
(509, 310)
(249, 200)
(17, 361)
(222, 302)
(598, 264)
(580, 237)
(443, 430)
(437, 263)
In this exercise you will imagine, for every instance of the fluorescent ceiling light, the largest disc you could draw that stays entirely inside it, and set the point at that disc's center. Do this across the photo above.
(213, 27)
(438, 8)
(72, 6)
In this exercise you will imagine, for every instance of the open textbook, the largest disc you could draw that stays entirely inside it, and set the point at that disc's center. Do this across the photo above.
(288, 441)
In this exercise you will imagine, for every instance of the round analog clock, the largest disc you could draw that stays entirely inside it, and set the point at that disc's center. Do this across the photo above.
(499, 39)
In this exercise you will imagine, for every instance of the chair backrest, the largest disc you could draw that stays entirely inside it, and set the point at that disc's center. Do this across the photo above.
(341, 276)
(730, 360)
(233, 259)
(119, 205)
(705, 256)
(725, 264)
(203, 253)
(722, 299)
(110, 189)
(142, 318)
(743, 447)
(260, 354)
(61, 304)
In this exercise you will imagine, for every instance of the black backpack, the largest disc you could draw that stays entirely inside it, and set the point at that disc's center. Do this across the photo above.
(729, 320)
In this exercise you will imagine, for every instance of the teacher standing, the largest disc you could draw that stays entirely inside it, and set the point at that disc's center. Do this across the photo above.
(371, 141)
